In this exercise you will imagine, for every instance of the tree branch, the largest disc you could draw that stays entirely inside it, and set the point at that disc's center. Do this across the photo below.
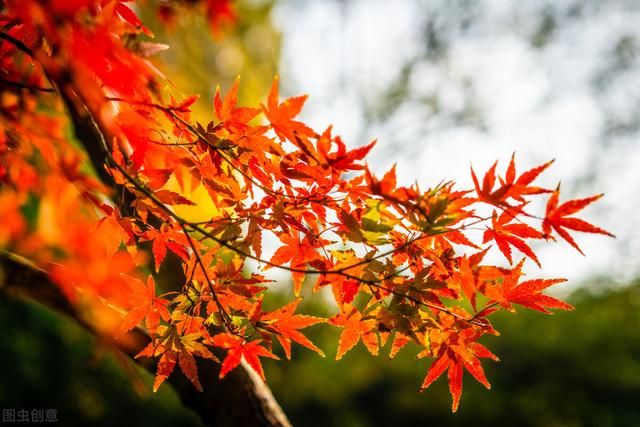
(25, 86)
(241, 398)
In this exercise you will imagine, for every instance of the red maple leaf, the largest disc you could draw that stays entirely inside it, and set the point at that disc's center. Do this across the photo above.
(510, 187)
(507, 235)
(168, 238)
(346, 160)
(129, 16)
(237, 349)
(557, 218)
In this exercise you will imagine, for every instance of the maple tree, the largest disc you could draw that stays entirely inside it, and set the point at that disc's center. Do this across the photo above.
(403, 263)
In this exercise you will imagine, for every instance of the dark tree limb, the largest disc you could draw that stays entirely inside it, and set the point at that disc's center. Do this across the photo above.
(240, 399)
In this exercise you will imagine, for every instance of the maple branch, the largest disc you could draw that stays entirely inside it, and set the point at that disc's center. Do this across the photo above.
(201, 137)
(473, 320)
(376, 283)
(342, 271)
(223, 313)
(17, 43)
(196, 226)
(241, 398)
(25, 86)
(176, 118)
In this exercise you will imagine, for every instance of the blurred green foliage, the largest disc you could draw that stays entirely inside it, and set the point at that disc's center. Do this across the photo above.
(578, 368)
(49, 362)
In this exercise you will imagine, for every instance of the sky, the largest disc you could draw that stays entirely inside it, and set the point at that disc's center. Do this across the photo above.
(444, 85)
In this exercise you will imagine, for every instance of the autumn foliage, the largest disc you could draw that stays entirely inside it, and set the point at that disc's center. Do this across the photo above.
(403, 263)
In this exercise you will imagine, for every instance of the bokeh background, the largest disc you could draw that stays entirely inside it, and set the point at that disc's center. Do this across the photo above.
(441, 84)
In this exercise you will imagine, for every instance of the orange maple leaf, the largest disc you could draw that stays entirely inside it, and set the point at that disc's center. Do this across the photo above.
(165, 367)
(458, 350)
(355, 329)
(281, 115)
(527, 294)
(145, 306)
(285, 324)
(296, 252)
(225, 110)
(467, 274)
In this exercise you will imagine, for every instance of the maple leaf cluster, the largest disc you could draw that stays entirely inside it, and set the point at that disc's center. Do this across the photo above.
(402, 262)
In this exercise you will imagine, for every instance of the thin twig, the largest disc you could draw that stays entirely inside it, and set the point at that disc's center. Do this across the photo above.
(26, 86)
